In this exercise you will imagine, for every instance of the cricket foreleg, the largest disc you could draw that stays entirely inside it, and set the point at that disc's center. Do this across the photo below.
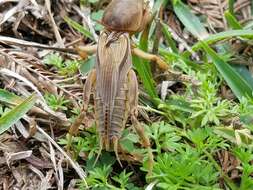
(151, 57)
(90, 81)
(84, 51)
(133, 102)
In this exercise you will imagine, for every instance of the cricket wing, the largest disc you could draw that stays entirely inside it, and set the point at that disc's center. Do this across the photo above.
(111, 60)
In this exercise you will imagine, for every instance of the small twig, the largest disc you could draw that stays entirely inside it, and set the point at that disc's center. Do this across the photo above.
(55, 28)
(22, 43)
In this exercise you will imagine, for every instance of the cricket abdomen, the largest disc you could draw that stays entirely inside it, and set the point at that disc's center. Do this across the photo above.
(111, 122)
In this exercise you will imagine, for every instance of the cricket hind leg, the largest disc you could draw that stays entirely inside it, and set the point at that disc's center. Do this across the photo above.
(73, 130)
(133, 102)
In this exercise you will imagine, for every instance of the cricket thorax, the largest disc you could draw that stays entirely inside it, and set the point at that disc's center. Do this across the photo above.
(131, 15)
(113, 65)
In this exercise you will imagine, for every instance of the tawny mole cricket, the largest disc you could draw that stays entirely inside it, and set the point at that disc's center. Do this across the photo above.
(113, 81)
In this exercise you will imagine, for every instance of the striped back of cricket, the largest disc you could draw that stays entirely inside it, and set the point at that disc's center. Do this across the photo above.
(112, 66)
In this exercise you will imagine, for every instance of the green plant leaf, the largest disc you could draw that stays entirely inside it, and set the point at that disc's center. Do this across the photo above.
(145, 76)
(237, 84)
(237, 136)
(79, 27)
(224, 35)
(171, 55)
(127, 145)
(97, 16)
(87, 66)
(190, 21)
(231, 6)
(158, 4)
(244, 72)
(143, 67)
(93, 1)
(9, 98)
(10, 118)
(168, 38)
(232, 22)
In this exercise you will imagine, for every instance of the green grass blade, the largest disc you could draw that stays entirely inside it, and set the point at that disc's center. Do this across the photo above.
(190, 21)
(231, 6)
(224, 35)
(168, 38)
(237, 84)
(232, 21)
(158, 4)
(244, 73)
(171, 55)
(9, 98)
(10, 118)
(79, 27)
(241, 69)
(145, 76)
(143, 67)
